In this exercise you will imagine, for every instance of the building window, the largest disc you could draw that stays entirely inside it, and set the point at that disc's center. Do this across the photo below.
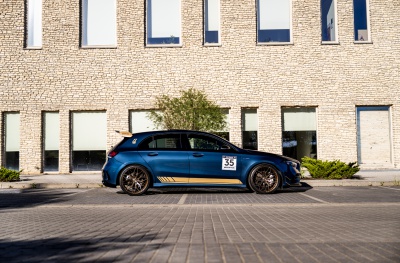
(89, 140)
(274, 21)
(361, 20)
(225, 132)
(212, 32)
(164, 22)
(140, 121)
(299, 133)
(51, 141)
(249, 129)
(328, 20)
(11, 142)
(34, 24)
(99, 23)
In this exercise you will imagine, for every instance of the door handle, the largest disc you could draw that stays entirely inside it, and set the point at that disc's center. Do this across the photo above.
(152, 154)
(198, 154)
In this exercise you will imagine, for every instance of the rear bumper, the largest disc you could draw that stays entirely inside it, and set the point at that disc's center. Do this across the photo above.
(106, 180)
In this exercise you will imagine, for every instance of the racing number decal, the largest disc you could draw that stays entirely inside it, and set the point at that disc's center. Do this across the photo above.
(229, 163)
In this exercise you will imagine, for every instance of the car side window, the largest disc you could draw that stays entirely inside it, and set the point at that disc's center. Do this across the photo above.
(205, 143)
(162, 142)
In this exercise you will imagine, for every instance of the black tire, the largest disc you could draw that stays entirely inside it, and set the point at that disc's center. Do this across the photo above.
(134, 180)
(264, 179)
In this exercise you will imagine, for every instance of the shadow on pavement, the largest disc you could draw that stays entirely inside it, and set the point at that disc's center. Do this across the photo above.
(23, 198)
(77, 250)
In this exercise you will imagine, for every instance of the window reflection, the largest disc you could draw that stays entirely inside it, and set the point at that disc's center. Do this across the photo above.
(360, 20)
(328, 20)
(299, 135)
(274, 20)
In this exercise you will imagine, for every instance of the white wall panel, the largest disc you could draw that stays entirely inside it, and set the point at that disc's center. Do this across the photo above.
(274, 14)
(299, 120)
(250, 120)
(140, 122)
(374, 136)
(165, 18)
(89, 131)
(12, 121)
(99, 22)
(51, 131)
(34, 23)
(213, 15)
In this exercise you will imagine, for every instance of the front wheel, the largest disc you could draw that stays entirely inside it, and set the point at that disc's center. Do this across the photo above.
(134, 180)
(264, 179)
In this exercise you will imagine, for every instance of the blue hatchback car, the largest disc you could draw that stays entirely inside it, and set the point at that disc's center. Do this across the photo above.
(182, 158)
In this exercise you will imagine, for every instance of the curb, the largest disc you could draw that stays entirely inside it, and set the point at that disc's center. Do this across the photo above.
(323, 183)
(310, 183)
(50, 186)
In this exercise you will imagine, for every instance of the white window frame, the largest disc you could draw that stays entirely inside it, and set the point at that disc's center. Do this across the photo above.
(215, 24)
(149, 23)
(335, 24)
(99, 30)
(290, 26)
(34, 24)
(369, 40)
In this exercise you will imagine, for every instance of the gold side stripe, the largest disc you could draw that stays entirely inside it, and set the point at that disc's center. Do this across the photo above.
(214, 181)
(173, 180)
(183, 180)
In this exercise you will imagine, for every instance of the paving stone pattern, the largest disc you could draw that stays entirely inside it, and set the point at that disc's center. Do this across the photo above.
(209, 226)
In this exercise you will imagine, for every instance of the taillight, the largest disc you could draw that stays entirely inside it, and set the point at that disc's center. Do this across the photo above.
(112, 154)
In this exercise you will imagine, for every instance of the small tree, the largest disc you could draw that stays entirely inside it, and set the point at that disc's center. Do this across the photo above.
(191, 111)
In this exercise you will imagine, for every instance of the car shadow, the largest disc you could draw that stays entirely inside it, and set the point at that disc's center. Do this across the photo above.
(199, 190)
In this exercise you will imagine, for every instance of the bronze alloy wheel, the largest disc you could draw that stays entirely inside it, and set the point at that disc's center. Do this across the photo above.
(264, 179)
(135, 180)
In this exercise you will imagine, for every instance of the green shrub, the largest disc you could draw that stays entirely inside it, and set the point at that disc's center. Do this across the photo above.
(329, 169)
(7, 175)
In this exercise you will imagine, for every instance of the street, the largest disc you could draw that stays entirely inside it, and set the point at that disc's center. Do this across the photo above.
(305, 224)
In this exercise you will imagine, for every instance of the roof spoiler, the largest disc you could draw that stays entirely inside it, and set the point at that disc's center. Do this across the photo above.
(124, 133)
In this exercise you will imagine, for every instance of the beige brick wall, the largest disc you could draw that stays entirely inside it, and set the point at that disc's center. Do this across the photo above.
(335, 78)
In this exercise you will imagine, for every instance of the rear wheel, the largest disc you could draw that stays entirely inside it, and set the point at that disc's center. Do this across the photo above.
(134, 180)
(264, 179)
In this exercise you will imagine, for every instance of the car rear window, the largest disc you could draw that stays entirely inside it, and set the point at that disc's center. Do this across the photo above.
(160, 142)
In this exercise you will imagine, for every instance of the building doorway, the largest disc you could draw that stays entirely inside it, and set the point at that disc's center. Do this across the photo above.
(374, 144)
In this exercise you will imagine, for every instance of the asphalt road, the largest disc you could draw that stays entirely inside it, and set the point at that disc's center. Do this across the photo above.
(321, 224)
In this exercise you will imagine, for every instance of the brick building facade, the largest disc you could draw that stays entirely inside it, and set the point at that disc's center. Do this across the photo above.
(350, 86)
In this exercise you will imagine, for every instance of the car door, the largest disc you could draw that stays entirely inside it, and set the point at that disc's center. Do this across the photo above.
(212, 161)
(167, 160)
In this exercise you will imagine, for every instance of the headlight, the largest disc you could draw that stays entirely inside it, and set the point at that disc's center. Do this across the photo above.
(294, 165)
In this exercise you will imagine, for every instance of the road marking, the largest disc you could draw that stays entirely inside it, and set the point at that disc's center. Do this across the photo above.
(183, 199)
(397, 189)
(314, 198)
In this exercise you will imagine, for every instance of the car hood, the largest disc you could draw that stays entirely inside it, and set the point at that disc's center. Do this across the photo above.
(259, 153)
